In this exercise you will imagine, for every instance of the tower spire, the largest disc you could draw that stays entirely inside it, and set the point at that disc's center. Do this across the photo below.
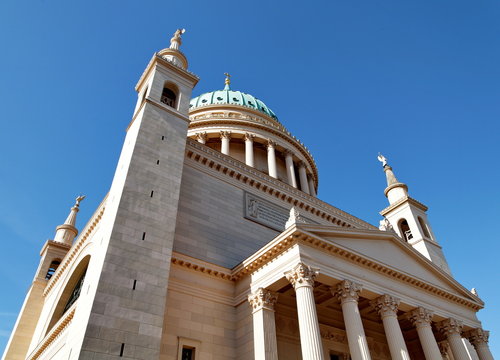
(66, 232)
(395, 190)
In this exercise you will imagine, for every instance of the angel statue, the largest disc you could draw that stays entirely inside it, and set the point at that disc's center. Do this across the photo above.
(176, 40)
(79, 199)
(382, 159)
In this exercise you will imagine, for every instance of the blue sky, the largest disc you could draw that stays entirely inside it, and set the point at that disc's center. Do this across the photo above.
(416, 80)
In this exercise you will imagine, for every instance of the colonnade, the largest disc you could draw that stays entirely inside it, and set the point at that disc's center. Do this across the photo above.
(306, 181)
(302, 278)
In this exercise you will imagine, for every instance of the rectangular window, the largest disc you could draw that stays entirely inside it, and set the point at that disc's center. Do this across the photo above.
(187, 353)
(187, 349)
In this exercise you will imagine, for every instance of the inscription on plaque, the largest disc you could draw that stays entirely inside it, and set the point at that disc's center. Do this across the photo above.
(267, 213)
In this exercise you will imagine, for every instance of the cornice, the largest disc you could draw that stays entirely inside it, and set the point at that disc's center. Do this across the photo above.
(215, 162)
(302, 235)
(402, 201)
(157, 58)
(256, 124)
(77, 246)
(52, 243)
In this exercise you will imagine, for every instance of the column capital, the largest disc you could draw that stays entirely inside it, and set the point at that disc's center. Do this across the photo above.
(450, 326)
(225, 135)
(386, 305)
(263, 299)
(302, 275)
(477, 336)
(443, 348)
(271, 144)
(347, 291)
(301, 164)
(201, 137)
(288, 152)
(249, 137)
(420, 317)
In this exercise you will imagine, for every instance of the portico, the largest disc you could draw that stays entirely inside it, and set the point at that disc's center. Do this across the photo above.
(328, 306)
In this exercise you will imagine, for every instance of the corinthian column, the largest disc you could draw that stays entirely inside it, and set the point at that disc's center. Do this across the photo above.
(312, 191)
(479, 339)
(271, 159)
(387, 308)
(264, 327)
(304, 185)
(290, 170)
(421, 319)
(225, 136)
(302, 278)
(452, 329)
(249, 149)
(348, 294)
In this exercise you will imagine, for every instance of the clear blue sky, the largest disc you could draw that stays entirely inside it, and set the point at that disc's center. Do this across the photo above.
(416, 80)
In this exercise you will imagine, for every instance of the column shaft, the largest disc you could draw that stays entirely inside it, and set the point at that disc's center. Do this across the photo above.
(428, 342)
(355, 331)
(312, 191)
(225, 137)
(290, 169)
(483, 351)
(457, 347)
(395, 340)
(271, 160)
(264, 335)
(310, 337)
(304, 185)
(249, 159)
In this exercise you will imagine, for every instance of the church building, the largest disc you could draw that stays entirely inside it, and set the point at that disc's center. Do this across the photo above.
(211, 244)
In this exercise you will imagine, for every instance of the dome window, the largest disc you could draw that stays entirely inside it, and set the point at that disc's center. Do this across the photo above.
(204, 100)
(236, 99)
(219, 98)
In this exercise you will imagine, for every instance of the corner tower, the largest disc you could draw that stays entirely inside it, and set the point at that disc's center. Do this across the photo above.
(408, 218)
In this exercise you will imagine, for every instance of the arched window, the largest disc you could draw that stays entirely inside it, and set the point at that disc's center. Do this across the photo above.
(169, 95)
(52, 269)
(404, 228)
(423, 225)
(71, 292)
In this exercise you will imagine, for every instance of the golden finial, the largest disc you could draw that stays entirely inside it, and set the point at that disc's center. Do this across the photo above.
(228, 79)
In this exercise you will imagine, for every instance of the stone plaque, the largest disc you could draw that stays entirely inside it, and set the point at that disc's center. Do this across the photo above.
(266, 213)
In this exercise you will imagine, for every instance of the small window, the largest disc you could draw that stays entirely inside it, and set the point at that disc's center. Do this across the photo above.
(169, 95)
(52, 269)
(187, 353)
(404, 228)
(423, 225)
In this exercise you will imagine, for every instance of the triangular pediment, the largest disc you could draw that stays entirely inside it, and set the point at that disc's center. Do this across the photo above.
(388, 250)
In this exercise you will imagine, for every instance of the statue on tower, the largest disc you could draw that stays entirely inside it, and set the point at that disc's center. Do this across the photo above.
(176, 40)
(382, 159)
(79, 200)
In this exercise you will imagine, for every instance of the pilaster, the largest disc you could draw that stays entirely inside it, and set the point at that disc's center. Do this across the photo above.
(264, 326)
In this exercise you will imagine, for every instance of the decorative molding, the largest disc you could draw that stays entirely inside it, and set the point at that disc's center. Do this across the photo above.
(263, 299)
(386, 305)
(302, 275)
(347, 291)
(77, 246)
(206, 158)
(56, 331)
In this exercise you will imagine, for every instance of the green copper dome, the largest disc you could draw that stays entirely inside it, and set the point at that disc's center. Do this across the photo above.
(231, 97)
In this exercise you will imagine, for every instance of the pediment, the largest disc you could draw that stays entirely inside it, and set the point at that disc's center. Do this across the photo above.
(390, 251)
